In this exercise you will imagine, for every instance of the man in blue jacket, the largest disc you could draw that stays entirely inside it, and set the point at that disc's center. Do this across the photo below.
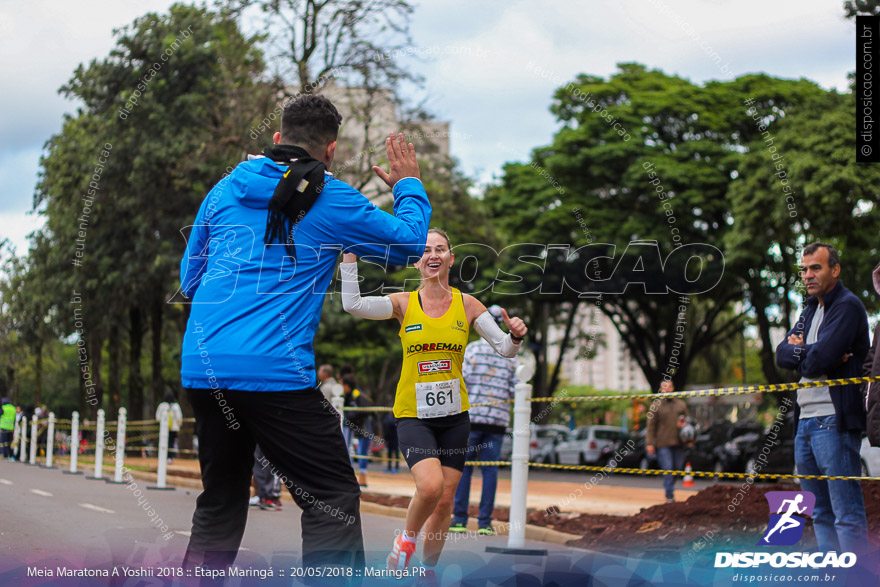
(829, 341)
(258, 263)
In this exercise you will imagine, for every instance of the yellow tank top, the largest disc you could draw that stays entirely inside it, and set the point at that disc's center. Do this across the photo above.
(431, 385)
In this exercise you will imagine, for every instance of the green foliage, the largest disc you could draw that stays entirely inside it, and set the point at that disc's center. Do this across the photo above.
(644, 156)
(610, 411)
(163, 115)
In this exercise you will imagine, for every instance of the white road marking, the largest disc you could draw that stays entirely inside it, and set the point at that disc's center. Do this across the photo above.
(41, 492)
(95, 508)
(6, 482)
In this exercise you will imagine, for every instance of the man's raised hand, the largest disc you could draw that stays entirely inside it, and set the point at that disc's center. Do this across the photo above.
(401, 161)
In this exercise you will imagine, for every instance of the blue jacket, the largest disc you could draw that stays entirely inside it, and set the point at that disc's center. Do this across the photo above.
(844, 330)
(255, 310)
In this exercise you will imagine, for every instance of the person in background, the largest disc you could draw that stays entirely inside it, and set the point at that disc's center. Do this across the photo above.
(489, 377)
(328, 385)
(871, 368)
(392, 448)
(359, 424)
(175, 420)
(663, 437)
(268, 495)
(7, 425)
(829, 341)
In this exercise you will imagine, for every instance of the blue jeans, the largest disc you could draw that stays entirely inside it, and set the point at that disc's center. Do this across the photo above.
(364, 451)
(839, 516)
(483, 446)
(671, 458)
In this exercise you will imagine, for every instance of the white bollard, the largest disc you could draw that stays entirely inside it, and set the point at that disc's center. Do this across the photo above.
(50, 440)
(519, 468)
(120, 445)
(99, 446)
(22, 451)
(33, 460)
(338, 403)
(74, 443)
(162, 469)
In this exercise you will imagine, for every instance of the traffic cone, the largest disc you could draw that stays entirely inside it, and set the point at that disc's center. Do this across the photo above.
(688, 478)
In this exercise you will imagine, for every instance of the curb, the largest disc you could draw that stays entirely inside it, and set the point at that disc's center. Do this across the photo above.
(538, 533)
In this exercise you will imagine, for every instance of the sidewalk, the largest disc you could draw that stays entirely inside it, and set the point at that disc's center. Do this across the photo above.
(575, 496)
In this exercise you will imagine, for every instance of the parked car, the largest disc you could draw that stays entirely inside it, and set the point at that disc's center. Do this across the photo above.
(870, 456)
(585, 444)
(703, 454)
(540, 437)
(548, 454)
(733, 454)
(636, 457)
(742, 454)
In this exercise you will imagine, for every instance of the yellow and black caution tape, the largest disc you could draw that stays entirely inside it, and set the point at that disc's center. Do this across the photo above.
(734, 390)
(654, 472)
(726, 475)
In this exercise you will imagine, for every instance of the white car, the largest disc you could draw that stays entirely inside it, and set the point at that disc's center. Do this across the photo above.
(584, 445)
(870, 459)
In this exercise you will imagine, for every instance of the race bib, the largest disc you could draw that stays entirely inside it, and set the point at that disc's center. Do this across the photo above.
(436, 399)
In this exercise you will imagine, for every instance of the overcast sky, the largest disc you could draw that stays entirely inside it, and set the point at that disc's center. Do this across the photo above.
(475, 57)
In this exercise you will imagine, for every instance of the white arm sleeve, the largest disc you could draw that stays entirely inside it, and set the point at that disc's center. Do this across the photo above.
(372, 308)
(503, 344)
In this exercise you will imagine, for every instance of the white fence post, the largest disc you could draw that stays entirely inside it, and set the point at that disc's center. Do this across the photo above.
(50, 440)
(162, 469)
(337, 401)
(120, 446)
(34, 435)
(99, 446)
(519, 468)
(22, 450)
(74, 444)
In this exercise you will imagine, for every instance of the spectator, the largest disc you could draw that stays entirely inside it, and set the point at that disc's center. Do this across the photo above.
(392, 447)
(329, 386)
(663, 437)
(7, 425)
(489, 377)
(829, 340)
(175, 420)
(359, 424)
(871, 368)
(268, 495)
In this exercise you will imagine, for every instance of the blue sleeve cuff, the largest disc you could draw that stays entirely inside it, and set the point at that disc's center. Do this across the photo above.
(407, 181)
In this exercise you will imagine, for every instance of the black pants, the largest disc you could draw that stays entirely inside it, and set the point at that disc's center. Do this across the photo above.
(172, 443)
(299, 436)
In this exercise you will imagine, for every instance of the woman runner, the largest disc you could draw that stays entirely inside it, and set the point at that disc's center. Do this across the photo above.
(431, 401)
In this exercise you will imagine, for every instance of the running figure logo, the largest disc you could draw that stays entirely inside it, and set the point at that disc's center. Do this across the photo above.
(786, 526)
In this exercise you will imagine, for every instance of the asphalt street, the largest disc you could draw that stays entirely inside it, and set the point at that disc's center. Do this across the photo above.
(49, 519)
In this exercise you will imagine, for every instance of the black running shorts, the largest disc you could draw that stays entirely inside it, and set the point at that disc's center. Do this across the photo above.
(443, 438)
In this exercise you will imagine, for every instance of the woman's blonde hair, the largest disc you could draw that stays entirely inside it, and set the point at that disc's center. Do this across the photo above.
(442, 233)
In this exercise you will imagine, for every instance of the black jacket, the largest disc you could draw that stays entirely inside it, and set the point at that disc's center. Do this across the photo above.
(871, 391)
(844, 330)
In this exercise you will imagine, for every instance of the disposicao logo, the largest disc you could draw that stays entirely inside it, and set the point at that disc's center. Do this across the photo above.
(786, 526)
(788, 514)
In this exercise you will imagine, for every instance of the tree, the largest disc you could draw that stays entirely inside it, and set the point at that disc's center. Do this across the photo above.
(162, 117)
(348, 50)
(642, 163)
(831, 199)
(853, 8)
